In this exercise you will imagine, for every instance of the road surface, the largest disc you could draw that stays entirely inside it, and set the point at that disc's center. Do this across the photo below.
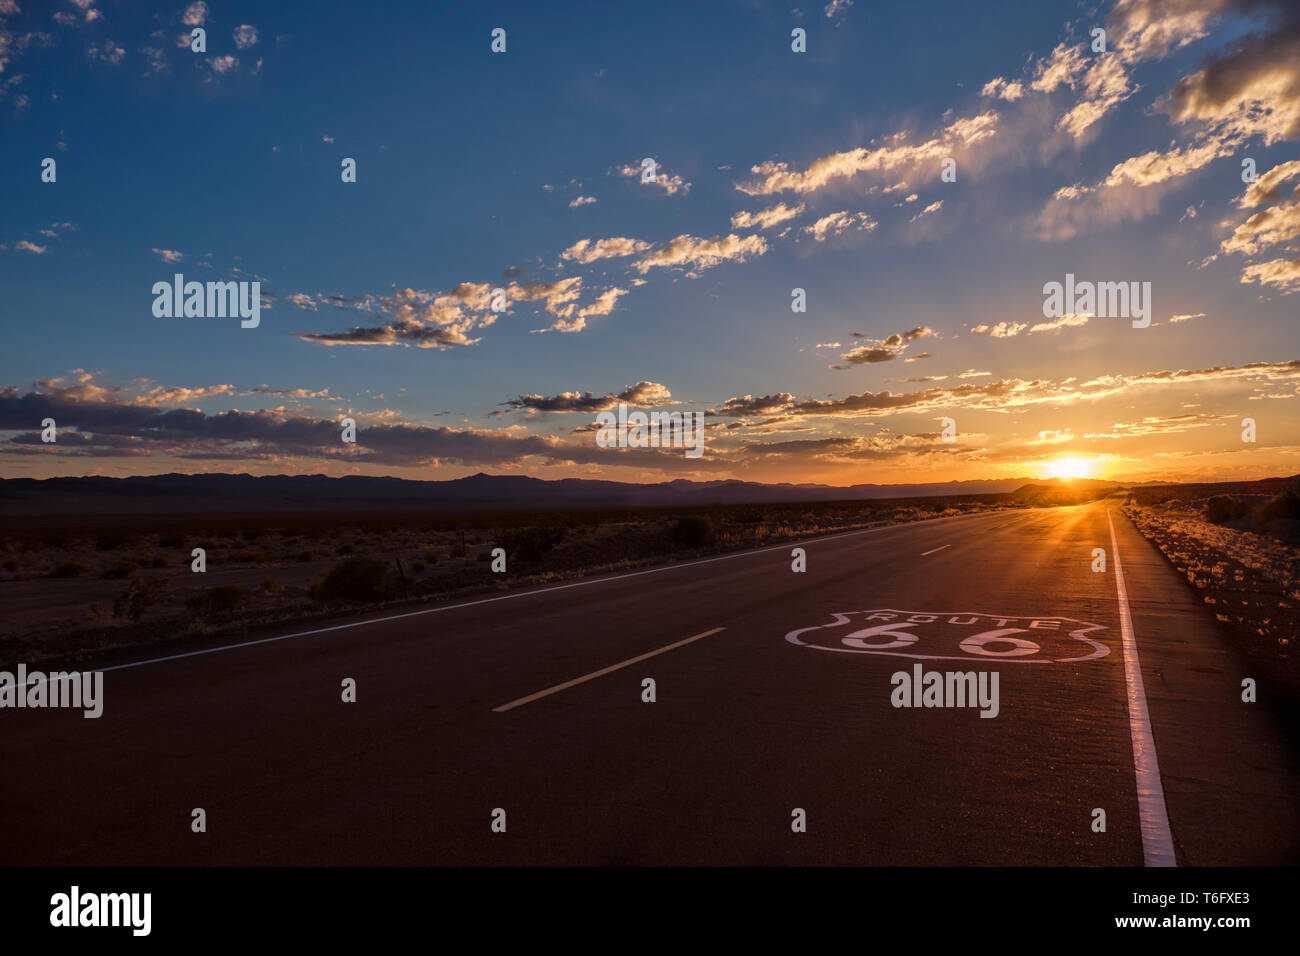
(765, 703)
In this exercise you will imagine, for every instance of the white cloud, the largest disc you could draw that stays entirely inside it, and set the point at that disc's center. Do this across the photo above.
(558, 298)
(1003, 330)
(603, 305)
(933, 207)
(1283, 274)
(699, 253)
(1268, 186)
(671, 185)
(155, 57)
(840, 222)
(587, 251)
(1003, 89)
(963, 133)
(1268, 227)
(196, 14)
(1253, 91)
(766, 218)
(106, 52)
(1069, 320)
(302, 301)
(1132, 190)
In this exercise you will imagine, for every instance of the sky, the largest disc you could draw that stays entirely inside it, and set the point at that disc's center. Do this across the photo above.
(922, 172)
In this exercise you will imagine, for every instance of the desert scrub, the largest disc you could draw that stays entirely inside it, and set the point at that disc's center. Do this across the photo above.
(528, 544)
(140, 595)
(221, 601)
(1285, 504)
(359, 578)
(693, 531)
(1223, 508)
(121, 569)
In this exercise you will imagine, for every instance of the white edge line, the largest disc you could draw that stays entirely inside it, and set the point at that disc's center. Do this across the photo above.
(600, 673)
(933, 550)
(519, 594)
(1153, 814)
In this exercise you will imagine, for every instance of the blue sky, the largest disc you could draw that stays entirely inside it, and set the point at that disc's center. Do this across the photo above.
(776, 170)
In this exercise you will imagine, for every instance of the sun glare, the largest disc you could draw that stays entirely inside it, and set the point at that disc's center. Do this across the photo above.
(1070, 468)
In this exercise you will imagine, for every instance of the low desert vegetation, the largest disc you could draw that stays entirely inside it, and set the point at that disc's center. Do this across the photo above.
(360, 579)
(1239, 550)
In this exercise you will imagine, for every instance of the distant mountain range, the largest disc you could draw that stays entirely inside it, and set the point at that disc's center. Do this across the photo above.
(208, 493)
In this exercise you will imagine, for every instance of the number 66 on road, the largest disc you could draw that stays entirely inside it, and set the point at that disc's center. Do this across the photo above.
(938, 635)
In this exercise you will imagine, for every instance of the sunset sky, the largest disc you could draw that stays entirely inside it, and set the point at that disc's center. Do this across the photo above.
(776, 170)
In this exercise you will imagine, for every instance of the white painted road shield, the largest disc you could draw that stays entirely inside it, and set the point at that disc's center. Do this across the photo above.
(956, 636)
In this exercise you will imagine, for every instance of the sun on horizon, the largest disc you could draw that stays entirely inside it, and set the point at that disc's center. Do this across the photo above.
(1070, 467)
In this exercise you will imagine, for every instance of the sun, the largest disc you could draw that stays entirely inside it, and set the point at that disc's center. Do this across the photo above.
(1070, 468)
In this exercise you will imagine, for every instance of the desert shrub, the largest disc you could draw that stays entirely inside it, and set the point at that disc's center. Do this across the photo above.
(359, 578)
(120, 569)
(12, 564)
(1285, 504)
(305, 556)
(431, 557)
(110, 542)
(529, 543)
(1218, 509)
(68, 569)
(140, 595)
(1223, 508)
(171, 541)
(158, 562)
(271, 586)
(220, 601)
(693, 531)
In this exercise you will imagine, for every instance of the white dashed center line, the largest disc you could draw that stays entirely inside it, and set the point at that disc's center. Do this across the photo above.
(594, 674)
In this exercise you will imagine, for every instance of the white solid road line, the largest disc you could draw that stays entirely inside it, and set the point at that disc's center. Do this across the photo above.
(519, 594)
(594, 674)
(1153, 815)
(933, 550)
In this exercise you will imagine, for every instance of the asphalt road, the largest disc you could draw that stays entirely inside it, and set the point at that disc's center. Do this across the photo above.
(775, 711)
